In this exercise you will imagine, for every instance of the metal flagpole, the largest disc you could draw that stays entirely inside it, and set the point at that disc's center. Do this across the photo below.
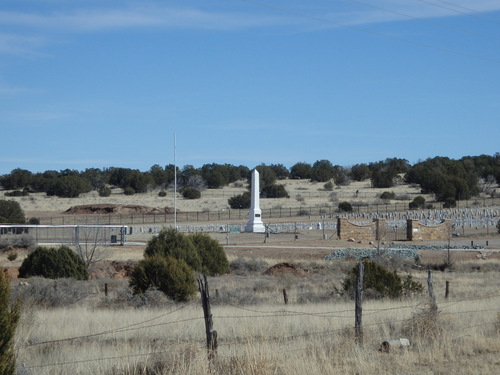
(175, 182)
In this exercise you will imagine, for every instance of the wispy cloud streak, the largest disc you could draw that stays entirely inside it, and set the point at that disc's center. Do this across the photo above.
(92, 20)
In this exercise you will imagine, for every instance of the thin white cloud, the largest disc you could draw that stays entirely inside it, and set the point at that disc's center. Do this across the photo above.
(36, 118)
(27, 32)
(17, 44)
(7, 90)
(253, 15)
(360, 12)
(368, 11)
(87, 20)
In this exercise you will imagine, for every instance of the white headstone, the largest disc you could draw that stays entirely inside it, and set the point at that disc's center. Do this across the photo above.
(255, 223)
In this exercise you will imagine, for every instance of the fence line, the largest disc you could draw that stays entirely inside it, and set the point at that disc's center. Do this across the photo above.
(274, 213)
(244, 340)
(478, 220)
(267, 314)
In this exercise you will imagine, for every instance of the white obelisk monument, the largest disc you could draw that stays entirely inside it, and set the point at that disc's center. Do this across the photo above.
(255, 223)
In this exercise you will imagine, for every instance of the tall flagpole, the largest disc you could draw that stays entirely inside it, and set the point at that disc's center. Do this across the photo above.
(175, 182)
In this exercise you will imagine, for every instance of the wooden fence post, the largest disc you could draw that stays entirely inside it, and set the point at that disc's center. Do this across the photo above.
(210, 333)
(447, 291)
(358, 327)
(285, 297)
(432, 297)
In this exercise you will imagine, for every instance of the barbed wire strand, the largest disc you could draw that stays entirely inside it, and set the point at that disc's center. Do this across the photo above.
(268, 339)
(118, 330)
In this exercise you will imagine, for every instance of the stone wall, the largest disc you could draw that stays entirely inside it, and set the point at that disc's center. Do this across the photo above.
(415, 231)
(360, 231)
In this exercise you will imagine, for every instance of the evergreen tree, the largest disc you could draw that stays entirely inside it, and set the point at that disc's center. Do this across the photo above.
(53, 263)
(9, 317)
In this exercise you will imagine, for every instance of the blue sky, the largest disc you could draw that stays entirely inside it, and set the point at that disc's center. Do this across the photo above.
(95, 84)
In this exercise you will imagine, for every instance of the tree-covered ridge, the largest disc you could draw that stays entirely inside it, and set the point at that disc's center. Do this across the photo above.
(455, 179)
(446, 178)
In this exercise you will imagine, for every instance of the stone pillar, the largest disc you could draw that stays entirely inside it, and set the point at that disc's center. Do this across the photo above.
(409, 230)
(255, 223)
(380, 230)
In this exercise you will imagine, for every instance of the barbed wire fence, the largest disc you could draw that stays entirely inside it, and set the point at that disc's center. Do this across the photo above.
(26, 355)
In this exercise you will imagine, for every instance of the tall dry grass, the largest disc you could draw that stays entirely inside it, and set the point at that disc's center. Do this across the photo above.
(262, 335)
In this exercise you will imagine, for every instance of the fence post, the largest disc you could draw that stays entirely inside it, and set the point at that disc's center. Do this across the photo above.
(447, 291)
(358, 326)
(210, 333)
(432, 297)
(285, 297)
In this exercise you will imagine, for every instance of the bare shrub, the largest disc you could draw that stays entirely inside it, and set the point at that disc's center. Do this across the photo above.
(333, 197)
(395, 262)
(90, 247)
(262, 286)
(247, 266)
(239, 296)
(24, 241)
(38, 291)
(326, 268)
(5, 245)
(309, 295)
(124, 297)
(424, 326)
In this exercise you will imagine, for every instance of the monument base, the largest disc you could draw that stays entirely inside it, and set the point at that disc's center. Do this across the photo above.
(255, 223)
(255, 228)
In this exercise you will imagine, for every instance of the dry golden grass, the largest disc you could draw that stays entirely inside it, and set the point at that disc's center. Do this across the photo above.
(259, 334)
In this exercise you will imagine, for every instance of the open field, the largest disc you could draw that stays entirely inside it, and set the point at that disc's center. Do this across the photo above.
(302, 193)
(77, 329)
(73, 327)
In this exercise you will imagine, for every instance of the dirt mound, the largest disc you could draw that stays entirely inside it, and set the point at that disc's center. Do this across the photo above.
(89, 209)
(112, 270)
(286, 269)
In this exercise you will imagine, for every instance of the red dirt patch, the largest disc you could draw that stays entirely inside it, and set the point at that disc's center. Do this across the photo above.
(11, 273)
(286, 269)
(100, 209)
(112, 270)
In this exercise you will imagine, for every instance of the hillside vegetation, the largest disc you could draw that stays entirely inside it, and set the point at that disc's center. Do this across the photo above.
(211, 187)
